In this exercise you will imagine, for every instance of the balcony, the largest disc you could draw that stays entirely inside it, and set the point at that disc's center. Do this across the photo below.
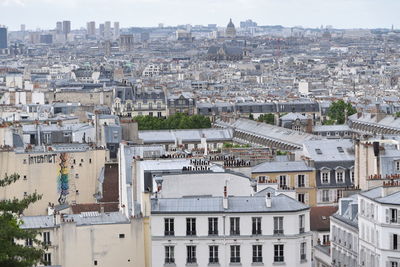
(169, 233)
(278, 232)
(190, 233)
(235, 232)
(301, 230)
(257, 259)
(212, 232)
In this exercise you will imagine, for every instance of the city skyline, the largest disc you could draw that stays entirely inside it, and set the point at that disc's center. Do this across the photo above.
(288, 13)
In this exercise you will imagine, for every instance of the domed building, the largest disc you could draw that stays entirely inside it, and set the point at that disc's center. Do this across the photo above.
(230, 30)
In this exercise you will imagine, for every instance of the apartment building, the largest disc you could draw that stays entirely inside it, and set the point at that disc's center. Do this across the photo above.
(62, 174)
(294, 175)
(333, 161)
(230, 231)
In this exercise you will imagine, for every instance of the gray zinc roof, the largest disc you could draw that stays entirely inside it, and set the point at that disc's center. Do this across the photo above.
(252, 204)
(279, 166)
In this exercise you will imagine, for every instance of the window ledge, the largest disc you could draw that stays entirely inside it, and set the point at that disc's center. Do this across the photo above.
(303, 261)
(279, 263)
(235, 264)
(214, 264)
(169, 264)
(257, 264)
(192, 264)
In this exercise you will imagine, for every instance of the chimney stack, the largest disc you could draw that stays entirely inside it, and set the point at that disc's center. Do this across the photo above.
(225, 199)
(268, 201)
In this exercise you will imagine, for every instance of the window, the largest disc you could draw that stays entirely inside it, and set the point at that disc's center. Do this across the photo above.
(340, 176)
(282, 181)
(191, 254)
(301, 198)
(325, 195)
(121, 235)
(301, 223)
(46, 238)
(278, 225)
(256, 225)
(261, 179)
(257, 253)
(212, 226)
(395, 241)
(47, 259)
(235, 253)
(169, 227)
(28, 242)
(190, 226)
(95, 263)
(303, 255)
(325, 177)
(394, 264)
(278, 253)
(352, 176)
(325, 239)
(213, 254)
(235, 226)
(301, 180)
(169, 254)
(393, 215)
(397, 165)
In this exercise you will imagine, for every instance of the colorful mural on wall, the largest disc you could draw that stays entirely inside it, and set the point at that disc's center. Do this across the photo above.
(63, 183)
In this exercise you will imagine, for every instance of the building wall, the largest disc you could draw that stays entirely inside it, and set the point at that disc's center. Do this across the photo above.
(85, 98)
(291, 179)
(41, 173)
(291, 239)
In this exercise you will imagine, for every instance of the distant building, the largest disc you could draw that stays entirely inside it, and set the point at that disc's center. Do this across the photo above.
(91, 28)
(107, 30)
(3, 38)
(230, 31)
(101, 30)
(66, 27)
(225, 52)
(126, 42)
(59, 27)
(116, 30)
(46, 39)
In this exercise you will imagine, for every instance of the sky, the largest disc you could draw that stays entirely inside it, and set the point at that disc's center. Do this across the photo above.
(43, 14)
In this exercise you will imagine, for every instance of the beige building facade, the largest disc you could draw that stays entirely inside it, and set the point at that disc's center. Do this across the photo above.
(61, 176)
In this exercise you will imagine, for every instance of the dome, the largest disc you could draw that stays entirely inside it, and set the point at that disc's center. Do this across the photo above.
(230, 24)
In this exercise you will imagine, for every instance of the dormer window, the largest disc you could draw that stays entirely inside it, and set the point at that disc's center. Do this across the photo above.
(340, 176)
(325, 176)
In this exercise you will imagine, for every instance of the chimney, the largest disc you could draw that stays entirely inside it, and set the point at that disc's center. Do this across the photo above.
(225, 199)
(268, 201)
(101, 209)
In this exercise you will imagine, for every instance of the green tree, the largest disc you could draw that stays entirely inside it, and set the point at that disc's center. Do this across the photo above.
(176, 121)
(13, 254)
(251, 117)
(267, 118)
(338, 110)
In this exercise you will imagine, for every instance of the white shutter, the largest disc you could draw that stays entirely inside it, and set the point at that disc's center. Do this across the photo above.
(398, 216)
(307, 182)
(306, 199)
(319, 197)
(387, 216)
(391, 241)
(332, 195)
(296, 178)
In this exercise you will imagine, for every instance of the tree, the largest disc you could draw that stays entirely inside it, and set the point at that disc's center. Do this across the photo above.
(251, 117)
(338, 111)
(267, 118)
(13, 254)
(176, 121)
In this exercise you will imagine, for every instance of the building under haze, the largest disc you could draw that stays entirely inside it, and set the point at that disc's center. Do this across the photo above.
(91, 28)
(66, 27)
(3, 37)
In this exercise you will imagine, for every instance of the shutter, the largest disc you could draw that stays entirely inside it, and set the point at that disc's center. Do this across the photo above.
(296, 179)
(319, 196)
(398, 242)
(391, 241)
(398, 216)
(306, 200)
(332, 195)
(387, 216)
(307, 182)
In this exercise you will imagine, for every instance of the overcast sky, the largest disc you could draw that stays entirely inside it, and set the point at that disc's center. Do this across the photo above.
(308, 13)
